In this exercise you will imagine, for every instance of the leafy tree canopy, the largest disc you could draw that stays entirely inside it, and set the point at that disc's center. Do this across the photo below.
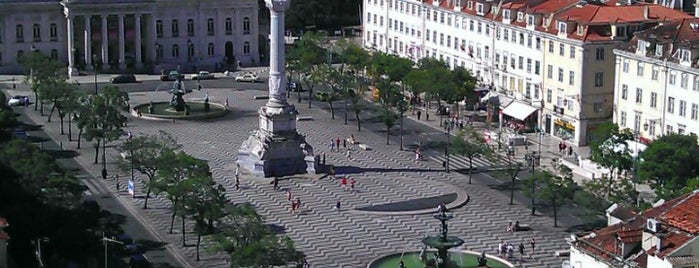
(669, 163)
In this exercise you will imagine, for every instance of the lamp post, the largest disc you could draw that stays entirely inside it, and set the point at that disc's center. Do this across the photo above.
(106, 242)
(533, 160)
(447, 128)
(94, 65)
(131, 152)
(401, 106)
(157, 53)
(31, 77)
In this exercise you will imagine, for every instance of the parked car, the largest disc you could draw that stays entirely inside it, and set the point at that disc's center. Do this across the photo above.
(18, 100)
(252, 78)
(203, 75)
(172, 76)
(294, 86)
(124, 78)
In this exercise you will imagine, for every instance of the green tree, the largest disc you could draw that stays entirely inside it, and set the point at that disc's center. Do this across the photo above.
(531, 184)
(31, 164)
(250, 243)
(204, 200)
(615, 190)
(388, 118)
(389, 66)
(464, 84)
(103, 119)
(307, 54)
(143, 153)
(174, 168)
(470, 144)
(8, 122)
(668, 163)
(609, 148)
(42, 73)
(557, 187)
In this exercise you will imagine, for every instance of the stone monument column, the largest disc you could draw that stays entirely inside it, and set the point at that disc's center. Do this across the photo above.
(276, 149)
(277, 87)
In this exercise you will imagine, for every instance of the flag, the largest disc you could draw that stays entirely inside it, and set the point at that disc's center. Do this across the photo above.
(131, 187)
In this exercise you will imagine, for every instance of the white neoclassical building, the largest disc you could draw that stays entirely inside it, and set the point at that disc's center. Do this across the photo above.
(133, 35)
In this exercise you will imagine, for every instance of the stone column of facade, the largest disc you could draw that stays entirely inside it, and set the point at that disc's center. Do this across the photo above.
(137, 26)
(72, 70)
(105, 43)
(276, 149)
(122, 62)
(152, 39)
(88, 42)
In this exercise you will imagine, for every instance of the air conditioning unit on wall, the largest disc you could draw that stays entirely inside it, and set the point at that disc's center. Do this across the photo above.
(652, 225)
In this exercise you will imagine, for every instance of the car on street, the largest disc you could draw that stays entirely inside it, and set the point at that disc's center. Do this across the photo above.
(172, 76)
(124, 78)
(18, 100)
(203, 75)
(252, 78)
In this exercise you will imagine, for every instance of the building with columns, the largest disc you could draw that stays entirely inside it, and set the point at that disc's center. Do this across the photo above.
(130, 35)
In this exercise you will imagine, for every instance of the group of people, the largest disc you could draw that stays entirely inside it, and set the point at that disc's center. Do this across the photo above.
(562, 149)
(347, 183)
(295, 204)
(335, 145)
(507, 249)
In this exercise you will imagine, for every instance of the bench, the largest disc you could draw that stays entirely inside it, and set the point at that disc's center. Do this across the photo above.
(365, 147)
(260, 97)
(562, 253)
(304, 118)
(522, 227)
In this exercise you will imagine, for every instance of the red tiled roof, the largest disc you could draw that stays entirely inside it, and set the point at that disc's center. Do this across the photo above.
(669, 243)
(630, 236)
(684, 215)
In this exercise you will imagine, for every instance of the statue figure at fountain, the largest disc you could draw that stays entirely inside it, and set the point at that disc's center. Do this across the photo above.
(443, 242)
(178, 91)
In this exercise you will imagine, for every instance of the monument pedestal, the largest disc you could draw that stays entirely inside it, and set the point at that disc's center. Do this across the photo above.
(276, 149)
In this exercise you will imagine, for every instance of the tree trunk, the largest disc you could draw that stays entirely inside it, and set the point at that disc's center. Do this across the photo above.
(41, 107)
(388, 134)
(60, 117)
(80, 134)
(555, 212)
(470, 169)
(70, 128)
(310, 96)
(53, 107)
(36, 100)
(104, 153)
(172, 219)
(97, 151)
(359, 124)
(332, 109)
(145, 202)
(184, 232)
(198, 242)
(345, 109)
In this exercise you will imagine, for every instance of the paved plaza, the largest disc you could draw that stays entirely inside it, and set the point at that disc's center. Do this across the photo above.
(330, 238)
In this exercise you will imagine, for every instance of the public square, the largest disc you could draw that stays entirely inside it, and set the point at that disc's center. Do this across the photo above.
(385, 174)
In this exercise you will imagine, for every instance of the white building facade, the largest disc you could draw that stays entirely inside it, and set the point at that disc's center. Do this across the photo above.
(133, 35)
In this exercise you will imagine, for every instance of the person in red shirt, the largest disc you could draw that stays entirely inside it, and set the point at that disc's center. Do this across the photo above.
(352, 181)
(343, 183)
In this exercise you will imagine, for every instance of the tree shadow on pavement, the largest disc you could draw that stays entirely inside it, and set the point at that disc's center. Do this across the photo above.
(56, 154)
(29, 127)
(277, 229)
(587, 226)
(148, 245)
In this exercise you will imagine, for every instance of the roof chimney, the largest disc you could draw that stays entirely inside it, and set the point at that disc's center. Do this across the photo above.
(646, 10)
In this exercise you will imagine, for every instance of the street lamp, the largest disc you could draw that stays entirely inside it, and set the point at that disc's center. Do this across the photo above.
(401, 106)
(106, 241)
(31, 76)
(447, 128)
(533, 160)
(157, 53)
(94, 65)
(131, 152)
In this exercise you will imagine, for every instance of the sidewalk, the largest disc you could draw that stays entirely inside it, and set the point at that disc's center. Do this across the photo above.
(546, 146)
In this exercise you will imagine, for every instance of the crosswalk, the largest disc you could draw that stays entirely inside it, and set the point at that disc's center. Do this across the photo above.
(457, 162)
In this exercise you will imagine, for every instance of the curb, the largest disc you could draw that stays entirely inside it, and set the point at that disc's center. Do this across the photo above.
(462, 198)
(463, 251)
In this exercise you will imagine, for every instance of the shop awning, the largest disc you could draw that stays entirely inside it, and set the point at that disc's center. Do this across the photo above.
(519, 110)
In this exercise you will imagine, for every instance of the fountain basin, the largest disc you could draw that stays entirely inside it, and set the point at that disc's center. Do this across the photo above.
(163, 111)
(464, 258)
(436, 242)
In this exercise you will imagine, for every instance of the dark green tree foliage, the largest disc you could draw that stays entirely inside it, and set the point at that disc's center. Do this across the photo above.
(390, 66)
(42, 73)
(669, 163)
(327, 15)
(388, 118)
(204, 201)
(471, 144)
(8, 122)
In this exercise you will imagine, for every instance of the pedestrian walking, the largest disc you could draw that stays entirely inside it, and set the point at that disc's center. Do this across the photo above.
(305, 263)
(419, 113)
(276, 183)
(104, 174)
(560, 147)
(570, 150)
(237, 183)
(532, 242)
(521, 251)
(427, 116)
(503, 249)
(338, 205)
(298, 204)
(510, 251)
(510, 227)
(225, 104)
(332, 146)
(349, 153)
(500, 248)
(288, 195)
(337, 143)
(118, 184)
(344, 143)
(352, 182)
(293, 206)
(343, 183)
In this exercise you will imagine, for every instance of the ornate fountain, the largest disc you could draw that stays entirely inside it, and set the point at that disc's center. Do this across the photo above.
(178, 90)
(442, 243)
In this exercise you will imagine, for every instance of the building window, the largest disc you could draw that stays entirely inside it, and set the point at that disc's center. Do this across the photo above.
(599, 79)
(190, 50)
(695, 107)
(537, 67)
(427, 34)
(639, 95)
(673, 78)
(572, 52)
(683, 108)
(229, 26)
(210, 49)
(20, 53)
(550, 46)
(637, 123)
(549, 95)
(210, 26)
(190, 27)
(671, 105)
(246, 25)
(175, 51)
(529, 65)
(599, 53)
(654, 74)
(53, 32)
(560, 74)
(159, 28)
(571, 78)
(639, 69)
(246, 48)
(622, 120)
(625, 66)
(695, 86)
(36, 30)
(54, 54)
(684, 81)
(561, 49)
(624, 91)
(549, 72)
(20, 33)
(175, 28)
(598, 107)
(520, 63)
(653, 100)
